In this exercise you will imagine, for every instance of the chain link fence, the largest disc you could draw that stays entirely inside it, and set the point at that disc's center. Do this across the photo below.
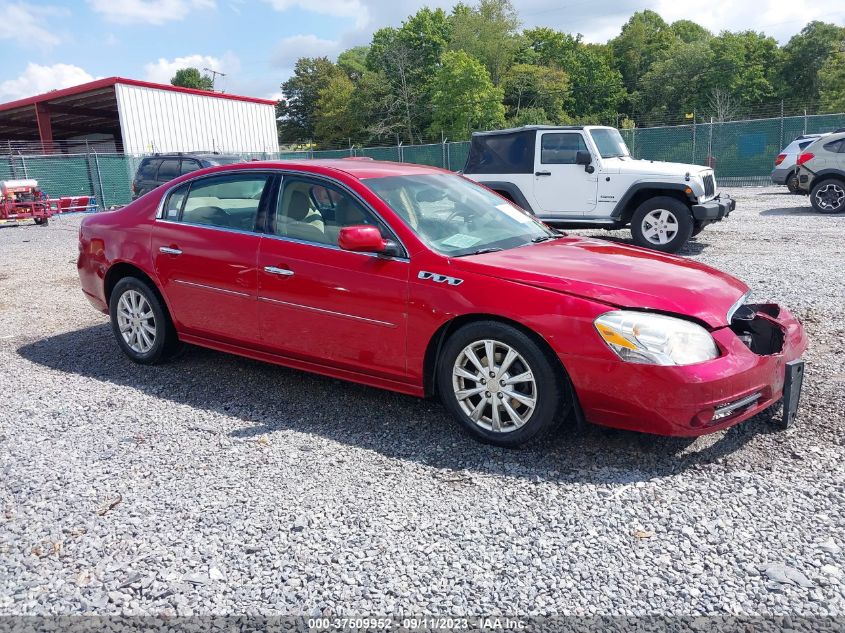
(741, 152)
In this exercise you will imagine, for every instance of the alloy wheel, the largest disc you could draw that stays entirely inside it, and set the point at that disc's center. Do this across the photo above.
(494, 386)
(136, 321)
(831, 197)
(660, 226)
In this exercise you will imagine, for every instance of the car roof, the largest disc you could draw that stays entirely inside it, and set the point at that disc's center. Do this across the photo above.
(211, 155)
(526, 128)
(355, 167)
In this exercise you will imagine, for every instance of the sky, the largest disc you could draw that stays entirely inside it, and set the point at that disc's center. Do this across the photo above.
(48, 44)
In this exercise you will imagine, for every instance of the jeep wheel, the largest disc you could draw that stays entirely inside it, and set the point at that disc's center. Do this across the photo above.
(662, 223)
(828, 196)
(792, 183)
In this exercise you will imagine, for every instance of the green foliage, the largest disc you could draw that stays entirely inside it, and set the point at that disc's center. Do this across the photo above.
(644, 39)
(488, 32)
(689, 32)
(806, 53)
(597, 89)
(192, 78)
(473, 68)
(538, 88)
(354, 62)
(301, 92)
(464, 97)
(832, 83)
(745, 65)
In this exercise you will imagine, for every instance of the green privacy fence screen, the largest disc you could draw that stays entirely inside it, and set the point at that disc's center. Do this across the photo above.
(742, 153)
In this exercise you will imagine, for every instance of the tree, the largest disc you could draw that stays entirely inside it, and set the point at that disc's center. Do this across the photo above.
(721, 105)
(688, 32)
(541, 88)
(464, 97)
(596, 89)
(832, 83)
(805, 54)
(644, 39)
(354, 62)
(192, 78)
(333, 117)
(672, 86)
(301, 94)
(745, 65)
(408, 57)
(488, 32)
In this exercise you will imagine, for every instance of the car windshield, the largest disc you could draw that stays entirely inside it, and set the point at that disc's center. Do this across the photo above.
(610, 142)
(457, 217)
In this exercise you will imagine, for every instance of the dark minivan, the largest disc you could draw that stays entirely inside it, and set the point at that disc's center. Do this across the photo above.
(158, 169)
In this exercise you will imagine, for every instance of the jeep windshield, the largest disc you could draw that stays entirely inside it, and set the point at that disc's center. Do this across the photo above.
(456, 217)
(609, 142)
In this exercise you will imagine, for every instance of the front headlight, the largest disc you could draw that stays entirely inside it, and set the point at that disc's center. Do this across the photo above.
(640, 337)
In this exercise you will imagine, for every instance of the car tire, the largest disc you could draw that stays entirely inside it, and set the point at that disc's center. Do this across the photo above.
(792, 183)
(490, 409)
(662, 223)
(828, 196)
(697, 228)
(140, 322)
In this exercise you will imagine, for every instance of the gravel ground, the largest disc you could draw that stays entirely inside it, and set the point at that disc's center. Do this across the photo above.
(220, 485)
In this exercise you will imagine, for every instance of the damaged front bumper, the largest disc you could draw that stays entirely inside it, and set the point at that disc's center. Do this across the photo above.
(747, 378)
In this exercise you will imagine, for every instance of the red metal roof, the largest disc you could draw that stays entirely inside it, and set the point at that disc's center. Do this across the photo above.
(112, 81)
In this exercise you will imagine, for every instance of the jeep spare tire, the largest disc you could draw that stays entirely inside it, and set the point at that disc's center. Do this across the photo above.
(662, 224)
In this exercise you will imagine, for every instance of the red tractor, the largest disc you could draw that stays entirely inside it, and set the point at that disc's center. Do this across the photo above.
(23, 200)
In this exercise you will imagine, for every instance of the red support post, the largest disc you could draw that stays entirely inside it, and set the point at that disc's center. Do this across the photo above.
(45, 127)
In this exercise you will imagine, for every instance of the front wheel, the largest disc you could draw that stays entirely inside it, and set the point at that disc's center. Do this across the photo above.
(500, 385)
(662, 223)
(140, 324)
(828, 196)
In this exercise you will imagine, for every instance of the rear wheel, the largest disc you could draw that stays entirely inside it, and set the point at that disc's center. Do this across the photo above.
(140, 323)
(662, 223)
(792, 183)
(828, 196)
(500, 385)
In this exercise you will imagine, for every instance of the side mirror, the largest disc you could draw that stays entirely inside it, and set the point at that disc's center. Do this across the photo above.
(583, 157)
(363, 238)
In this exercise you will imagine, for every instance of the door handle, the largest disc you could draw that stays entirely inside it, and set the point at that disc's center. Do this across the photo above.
(273, 270)
(167, 250)
(542, 173)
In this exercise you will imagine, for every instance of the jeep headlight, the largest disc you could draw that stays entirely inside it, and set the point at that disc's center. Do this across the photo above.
(641, 337)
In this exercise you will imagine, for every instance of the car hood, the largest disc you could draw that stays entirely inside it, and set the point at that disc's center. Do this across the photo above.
(651, 167)
(624, 276)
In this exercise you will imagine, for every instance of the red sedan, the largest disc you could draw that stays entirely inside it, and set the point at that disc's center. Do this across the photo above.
(415, 279)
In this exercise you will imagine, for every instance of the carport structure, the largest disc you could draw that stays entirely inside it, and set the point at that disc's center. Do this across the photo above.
(138, 117)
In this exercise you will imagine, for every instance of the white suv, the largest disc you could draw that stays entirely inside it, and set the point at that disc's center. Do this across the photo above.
(584, 176)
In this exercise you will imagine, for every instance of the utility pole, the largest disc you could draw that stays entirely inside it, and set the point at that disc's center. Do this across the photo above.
(214, 74)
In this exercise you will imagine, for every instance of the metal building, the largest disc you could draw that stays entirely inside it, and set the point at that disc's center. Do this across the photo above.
(139, 117)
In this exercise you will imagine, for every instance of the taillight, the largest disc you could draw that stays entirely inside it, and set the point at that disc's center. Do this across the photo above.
(803, 158)
(779, 159)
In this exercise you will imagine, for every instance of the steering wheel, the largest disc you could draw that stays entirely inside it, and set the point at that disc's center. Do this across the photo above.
(459, 212)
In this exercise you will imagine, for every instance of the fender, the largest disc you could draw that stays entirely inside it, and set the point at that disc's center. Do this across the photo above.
(511, 189)
(825, 173)
(619, 209)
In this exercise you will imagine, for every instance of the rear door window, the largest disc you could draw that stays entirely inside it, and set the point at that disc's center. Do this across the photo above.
(229, 201)
(148, 168)
(835, 146)
(189, 165)
(168, 170)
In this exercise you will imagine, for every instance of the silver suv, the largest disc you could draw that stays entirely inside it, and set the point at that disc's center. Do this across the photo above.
(786, 171)
(821, 173)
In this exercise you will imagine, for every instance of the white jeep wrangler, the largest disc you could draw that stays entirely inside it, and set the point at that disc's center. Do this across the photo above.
(584, 177)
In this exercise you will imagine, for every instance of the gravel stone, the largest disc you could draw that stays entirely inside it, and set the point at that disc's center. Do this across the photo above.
(289, 493)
